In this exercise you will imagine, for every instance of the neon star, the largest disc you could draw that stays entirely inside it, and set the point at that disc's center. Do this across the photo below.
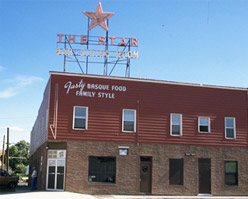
(98, 18)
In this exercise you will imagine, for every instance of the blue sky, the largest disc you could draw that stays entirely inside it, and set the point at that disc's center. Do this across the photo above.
(194, 41)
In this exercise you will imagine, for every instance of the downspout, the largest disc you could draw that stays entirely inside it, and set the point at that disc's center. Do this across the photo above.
(247, 117)
(137, 124)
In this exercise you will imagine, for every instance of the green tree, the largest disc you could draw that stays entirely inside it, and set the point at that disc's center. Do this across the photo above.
(19, 157)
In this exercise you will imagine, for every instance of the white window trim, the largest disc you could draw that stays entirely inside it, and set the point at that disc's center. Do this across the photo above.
(86, 118)
(134, 131)
(234, 128)
(181, 125)
(209, 125)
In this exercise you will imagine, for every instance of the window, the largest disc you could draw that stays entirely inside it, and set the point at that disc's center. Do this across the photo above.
(102, 169)
(176, 172)
(203, 124)
(80, 117)
(230, 127)
(231, 172)
(176, 124)
(129, 120)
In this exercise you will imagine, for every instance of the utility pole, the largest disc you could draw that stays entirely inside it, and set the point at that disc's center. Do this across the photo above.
(7, 149)
(3, 152)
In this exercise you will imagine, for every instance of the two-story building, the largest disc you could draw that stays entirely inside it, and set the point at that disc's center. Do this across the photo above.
(113, 135)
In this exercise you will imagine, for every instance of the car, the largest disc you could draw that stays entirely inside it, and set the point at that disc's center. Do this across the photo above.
(7, 180)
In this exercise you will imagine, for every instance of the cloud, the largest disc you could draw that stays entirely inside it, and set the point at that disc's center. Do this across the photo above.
(16, 84)
(16, 128)
(13, 128)
(25, 81)
(1, 68)
(9, 92)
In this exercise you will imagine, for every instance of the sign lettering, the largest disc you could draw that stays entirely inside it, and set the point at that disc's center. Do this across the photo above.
(94, 90)
(80, 40)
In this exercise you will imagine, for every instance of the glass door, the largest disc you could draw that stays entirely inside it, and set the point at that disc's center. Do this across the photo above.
(60, 174)
(55, 170)
(51, 174)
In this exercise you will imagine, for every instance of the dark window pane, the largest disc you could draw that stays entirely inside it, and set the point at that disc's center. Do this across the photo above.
(231, 173)
(102, 169)
(175, 130)
(51, 169)
(231, 167)
(231, 179)
(176, 171)
(60, 169)
(145, 159)
(128, 126)
(229, 133)
(60, 181)
(145, 169)
(79, 123)
(51, 181)
(203, 128)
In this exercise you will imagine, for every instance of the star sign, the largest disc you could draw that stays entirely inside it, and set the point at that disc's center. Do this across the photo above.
(98, 18)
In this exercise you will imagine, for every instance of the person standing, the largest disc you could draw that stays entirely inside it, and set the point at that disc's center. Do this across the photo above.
(34, 179)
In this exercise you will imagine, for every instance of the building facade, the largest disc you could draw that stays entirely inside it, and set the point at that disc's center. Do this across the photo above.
(112, 135)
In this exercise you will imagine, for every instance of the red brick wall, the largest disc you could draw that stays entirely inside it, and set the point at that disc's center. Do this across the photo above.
(128, 168)
(35, 161)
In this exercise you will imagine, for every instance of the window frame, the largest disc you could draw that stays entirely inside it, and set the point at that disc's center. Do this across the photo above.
(234, 128)
(181, 125)
(99, 171)
(171, 179)
(231, 173)
(209, 125)
(86, 118)
(123, 114)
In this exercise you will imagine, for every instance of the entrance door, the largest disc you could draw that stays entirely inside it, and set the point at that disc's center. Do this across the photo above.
(145, 174)
(51, 174)
(204, 175)
(60, 174)
(55, 171)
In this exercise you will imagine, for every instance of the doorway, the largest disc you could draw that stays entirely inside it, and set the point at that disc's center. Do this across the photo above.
(55, 170)
(204, 165)
(145, 174)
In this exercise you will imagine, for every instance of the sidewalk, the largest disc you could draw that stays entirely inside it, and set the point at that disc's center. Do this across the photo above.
(25, 193)
(44, 195)
(69, 195)
(169, 197)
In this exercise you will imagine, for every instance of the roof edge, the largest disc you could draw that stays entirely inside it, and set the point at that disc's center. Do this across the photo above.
(146, 80)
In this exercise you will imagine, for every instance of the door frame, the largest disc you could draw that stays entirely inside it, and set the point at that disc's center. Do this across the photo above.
(56, 160)
(150, 164)
(208, 161)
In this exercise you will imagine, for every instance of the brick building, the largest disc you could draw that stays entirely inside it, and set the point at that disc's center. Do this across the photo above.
(113, 135)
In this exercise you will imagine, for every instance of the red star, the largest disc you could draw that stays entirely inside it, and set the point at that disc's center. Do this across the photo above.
(98, 18)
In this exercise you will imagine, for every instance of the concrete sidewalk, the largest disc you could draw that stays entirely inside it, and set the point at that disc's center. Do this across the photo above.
(44, 195)
(69, 195)
(25, 193)
(167, 197)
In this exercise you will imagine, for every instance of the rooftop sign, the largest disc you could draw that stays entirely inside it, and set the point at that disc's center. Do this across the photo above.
(88, 49)
(98, 18)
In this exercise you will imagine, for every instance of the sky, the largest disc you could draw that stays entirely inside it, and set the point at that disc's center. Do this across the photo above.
(193, 41)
